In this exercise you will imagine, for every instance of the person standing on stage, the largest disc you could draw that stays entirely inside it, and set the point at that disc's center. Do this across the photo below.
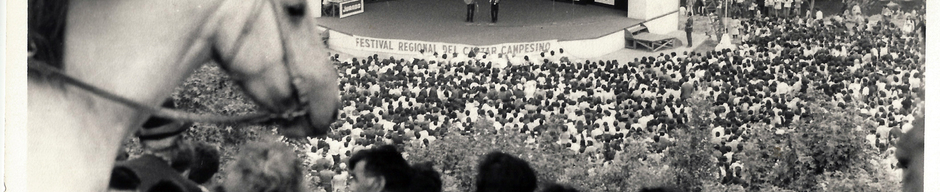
(688, 32)
(471, 7)
(797, 8)
(751, 8)
(494, 9)
(778, 5)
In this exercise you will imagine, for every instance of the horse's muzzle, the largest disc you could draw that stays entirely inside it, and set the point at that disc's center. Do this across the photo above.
(310, 124)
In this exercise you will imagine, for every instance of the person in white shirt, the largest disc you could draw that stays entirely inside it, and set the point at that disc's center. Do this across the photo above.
(432, 57)
(500, 62)
(457, 58)
(819, 14)
(480, 56)
(751, 8)
(422, 54)
(797, 5)
(514, 59)
(856, 9)
(552, 57)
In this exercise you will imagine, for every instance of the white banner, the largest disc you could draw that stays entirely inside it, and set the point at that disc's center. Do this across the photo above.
(410, 47)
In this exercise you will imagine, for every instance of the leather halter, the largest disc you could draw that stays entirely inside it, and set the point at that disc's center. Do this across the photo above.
(298, 110)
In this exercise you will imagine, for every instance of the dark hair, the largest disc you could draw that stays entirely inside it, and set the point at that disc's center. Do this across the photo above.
(123, 178)
(46, 30)
(501, 172)
(165, 186)
(659, 189)
(555, 187)
(387, 162)
(205, 163)
(180, 154)
(425, 179)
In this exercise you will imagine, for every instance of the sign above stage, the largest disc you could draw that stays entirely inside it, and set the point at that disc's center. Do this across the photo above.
(410, 47)
(351, 7)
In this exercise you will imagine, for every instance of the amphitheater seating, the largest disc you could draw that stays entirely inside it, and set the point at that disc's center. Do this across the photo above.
(639, 36)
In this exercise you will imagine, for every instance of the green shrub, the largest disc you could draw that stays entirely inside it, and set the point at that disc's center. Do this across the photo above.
(817, 149)
(691, 156)
(458, 157)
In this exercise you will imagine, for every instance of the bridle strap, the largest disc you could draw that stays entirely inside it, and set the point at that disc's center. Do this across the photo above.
(178, 115)
(48, 71)
(293, 79)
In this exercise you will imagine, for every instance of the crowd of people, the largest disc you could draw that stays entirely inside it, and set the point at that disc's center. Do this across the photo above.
(874, 66)
(787, 8)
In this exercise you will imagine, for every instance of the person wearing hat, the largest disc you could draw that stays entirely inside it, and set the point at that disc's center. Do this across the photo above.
(149, 173)
(161, 137)
(166, 160)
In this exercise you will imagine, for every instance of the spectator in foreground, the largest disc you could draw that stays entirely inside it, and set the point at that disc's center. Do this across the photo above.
(205, 163)
(161, 137)
(555, 187)
(264, 167)
(659, 189)
(166, 163)
(910, 156)
(383, 169)
(426, 179)
(501, 172)
(148, 173)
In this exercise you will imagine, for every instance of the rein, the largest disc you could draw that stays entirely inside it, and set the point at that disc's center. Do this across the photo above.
(178, 115)
(47, 70)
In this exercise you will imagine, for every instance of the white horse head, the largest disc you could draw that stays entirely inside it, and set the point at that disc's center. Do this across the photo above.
(142, 50)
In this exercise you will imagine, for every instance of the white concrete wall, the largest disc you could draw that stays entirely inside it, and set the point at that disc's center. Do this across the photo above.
(661, 16)
(656, 8)
(591, 48)
(636, 9)
(344, 43)
(315, 6)
(663, 25)
(648, 9)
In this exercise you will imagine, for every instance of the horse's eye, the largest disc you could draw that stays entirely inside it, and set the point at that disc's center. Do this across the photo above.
(902, 163)
(297, 10)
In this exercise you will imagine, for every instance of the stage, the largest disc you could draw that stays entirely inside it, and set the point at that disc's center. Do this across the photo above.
(385, 27)
(519, 21)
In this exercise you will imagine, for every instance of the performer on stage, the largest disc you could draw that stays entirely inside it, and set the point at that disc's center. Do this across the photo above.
(471, 7)
(688, 32)
(494, 9)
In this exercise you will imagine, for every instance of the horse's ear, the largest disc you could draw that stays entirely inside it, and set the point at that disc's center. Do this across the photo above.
(123, 178)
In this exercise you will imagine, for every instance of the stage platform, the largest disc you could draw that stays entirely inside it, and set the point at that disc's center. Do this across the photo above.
(519, 21)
